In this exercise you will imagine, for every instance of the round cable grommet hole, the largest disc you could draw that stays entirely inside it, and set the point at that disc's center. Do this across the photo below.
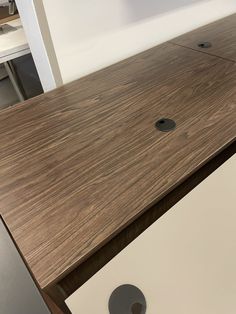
(205, 44)
(165, 125)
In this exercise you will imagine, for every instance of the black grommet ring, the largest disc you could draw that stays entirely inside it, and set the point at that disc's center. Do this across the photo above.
(205, 44)
(165, 125)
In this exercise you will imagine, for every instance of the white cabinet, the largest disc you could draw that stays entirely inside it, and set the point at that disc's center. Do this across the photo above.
(185, 263)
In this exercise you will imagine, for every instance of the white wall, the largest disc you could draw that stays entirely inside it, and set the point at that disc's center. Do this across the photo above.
(89, 35)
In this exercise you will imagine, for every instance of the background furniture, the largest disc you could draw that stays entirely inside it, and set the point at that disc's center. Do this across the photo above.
(13, 44)
(4, 14)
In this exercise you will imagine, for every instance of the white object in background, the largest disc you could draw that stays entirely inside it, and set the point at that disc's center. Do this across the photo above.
(13, 44)
(184, 263)
(4, 3)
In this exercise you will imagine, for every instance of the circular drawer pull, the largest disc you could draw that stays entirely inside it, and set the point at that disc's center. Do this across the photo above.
(127, 299)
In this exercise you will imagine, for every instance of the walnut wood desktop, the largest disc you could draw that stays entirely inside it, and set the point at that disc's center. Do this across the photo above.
(220, 34)
(79, 164)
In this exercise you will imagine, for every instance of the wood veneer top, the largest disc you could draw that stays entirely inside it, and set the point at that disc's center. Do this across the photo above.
(80, 163)
(221, 34)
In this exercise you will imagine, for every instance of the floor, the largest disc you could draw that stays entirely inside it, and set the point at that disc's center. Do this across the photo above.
(8, 96)
(27, 74)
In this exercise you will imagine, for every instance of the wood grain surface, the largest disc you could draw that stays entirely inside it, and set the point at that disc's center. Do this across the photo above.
(221, 34)
(79, 164)
(9, 18)
(93, 264)
(52, 306)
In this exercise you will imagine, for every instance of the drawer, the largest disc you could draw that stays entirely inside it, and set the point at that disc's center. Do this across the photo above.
(183, 264)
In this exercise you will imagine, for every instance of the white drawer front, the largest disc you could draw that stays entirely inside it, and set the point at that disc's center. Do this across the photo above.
(185, 263)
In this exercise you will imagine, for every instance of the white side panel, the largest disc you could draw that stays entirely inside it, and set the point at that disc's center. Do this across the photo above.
(38, 35)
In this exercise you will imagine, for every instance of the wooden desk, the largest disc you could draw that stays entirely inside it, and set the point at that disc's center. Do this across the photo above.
(221, 34)
(79, 164)
(4, 15)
